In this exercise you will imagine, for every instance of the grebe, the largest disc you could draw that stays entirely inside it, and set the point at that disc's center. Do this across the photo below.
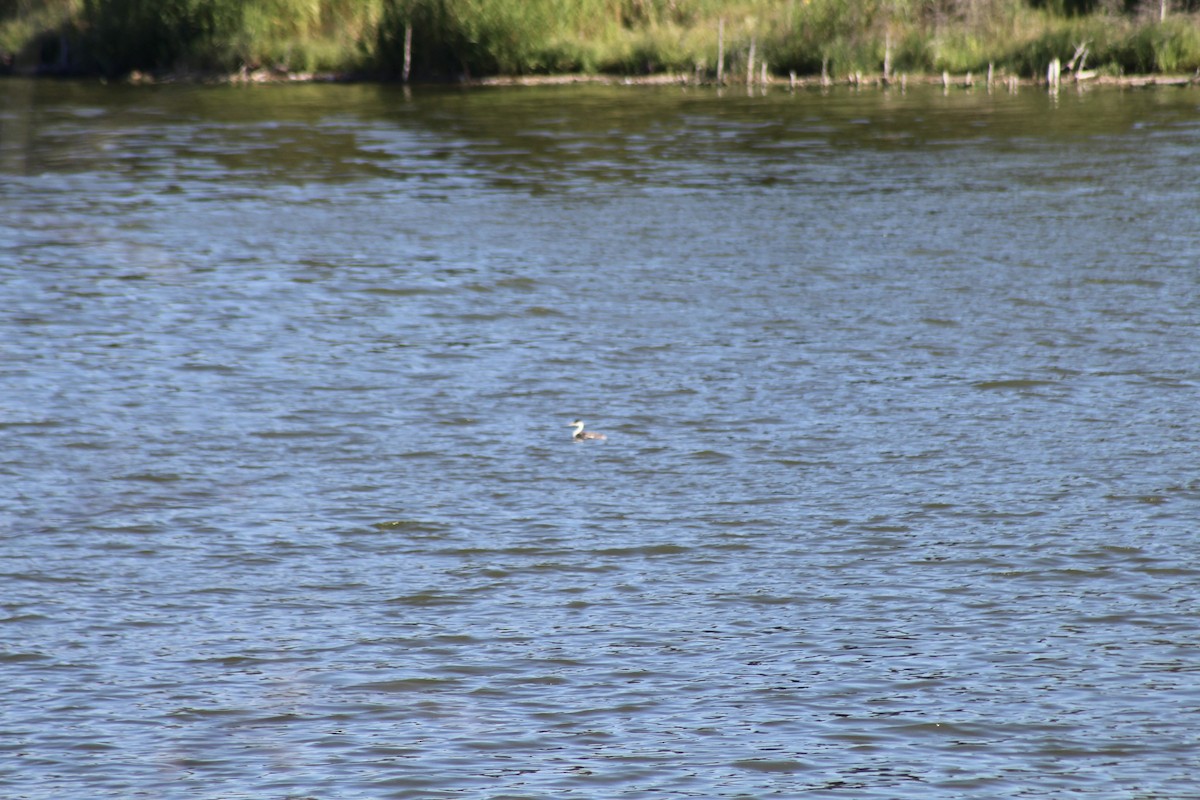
(581, 435)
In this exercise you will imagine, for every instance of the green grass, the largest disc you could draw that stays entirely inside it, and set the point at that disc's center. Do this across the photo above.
(457, 38)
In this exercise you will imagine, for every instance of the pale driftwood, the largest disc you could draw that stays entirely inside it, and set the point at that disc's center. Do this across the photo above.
(1081, 53)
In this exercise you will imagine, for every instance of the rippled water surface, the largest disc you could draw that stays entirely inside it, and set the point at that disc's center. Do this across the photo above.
(900, 491)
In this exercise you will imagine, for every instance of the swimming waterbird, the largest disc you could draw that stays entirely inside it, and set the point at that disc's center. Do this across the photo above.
(581, 435)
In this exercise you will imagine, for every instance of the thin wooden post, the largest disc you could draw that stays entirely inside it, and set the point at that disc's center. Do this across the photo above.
(825, 80)
(720, 51)
(991, 68)
(407, 51)
(887, 59)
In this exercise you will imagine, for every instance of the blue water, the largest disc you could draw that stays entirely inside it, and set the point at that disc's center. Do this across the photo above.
(899, 495)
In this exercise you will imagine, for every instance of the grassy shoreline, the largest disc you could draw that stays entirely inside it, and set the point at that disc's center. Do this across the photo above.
(798, 42)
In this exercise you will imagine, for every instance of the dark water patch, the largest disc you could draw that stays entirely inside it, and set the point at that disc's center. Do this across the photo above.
(430, 598)
(406, 685)
(773, 765)
(1144, 499)
(413, 526)
(1139, 282)
(1014, 383)
(539, 312)
(414, 291)
(648, 551)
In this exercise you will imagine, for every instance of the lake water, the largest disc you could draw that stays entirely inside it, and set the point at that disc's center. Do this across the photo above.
(900, 495)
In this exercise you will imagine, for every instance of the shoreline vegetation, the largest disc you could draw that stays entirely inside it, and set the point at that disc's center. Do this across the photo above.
(796, 43)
